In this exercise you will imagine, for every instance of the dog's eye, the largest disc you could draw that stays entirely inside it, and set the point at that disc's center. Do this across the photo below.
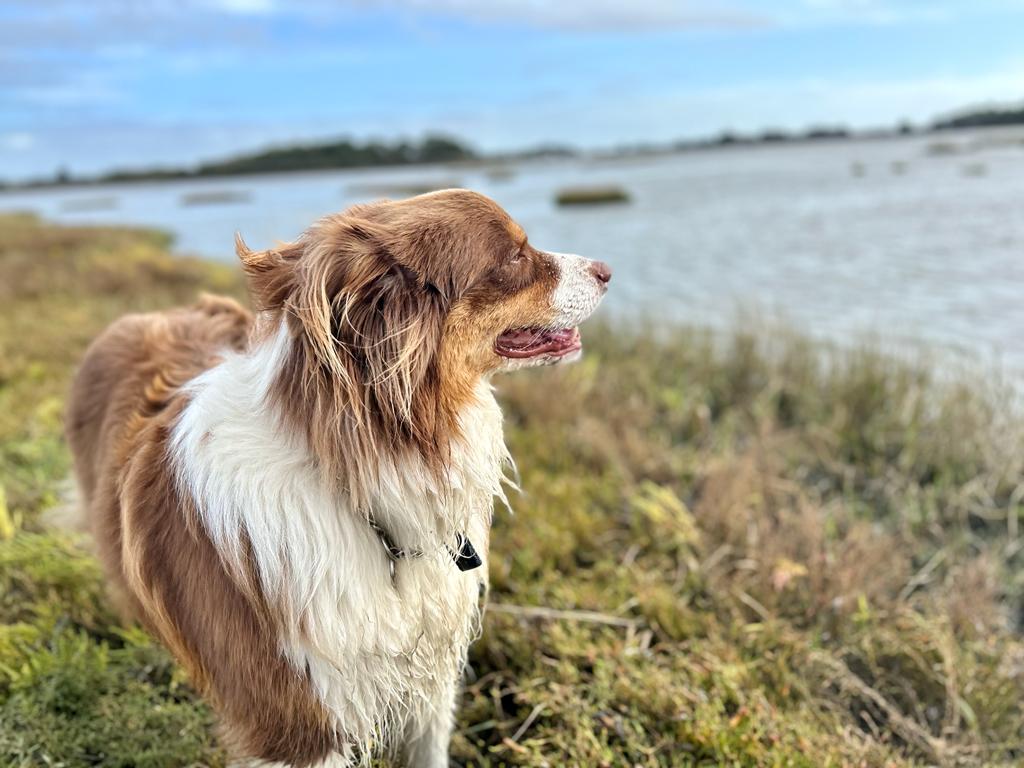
(518, 256)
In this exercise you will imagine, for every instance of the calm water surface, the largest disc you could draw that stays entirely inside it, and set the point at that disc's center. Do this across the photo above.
(841, 240)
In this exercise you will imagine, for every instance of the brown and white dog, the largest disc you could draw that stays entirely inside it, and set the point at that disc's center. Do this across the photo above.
(295, 502)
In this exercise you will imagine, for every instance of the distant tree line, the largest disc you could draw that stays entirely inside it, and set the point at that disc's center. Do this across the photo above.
(342, 154)
(345, 153)
(982, 119)
(774, 136)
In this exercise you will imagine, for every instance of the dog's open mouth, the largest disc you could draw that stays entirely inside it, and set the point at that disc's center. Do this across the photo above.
(521, 343)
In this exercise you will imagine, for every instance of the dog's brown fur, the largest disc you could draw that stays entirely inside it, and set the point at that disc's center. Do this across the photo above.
(392, 309)
(124, 401)
(393, 274)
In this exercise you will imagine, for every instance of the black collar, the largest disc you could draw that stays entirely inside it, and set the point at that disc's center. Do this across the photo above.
(466, 558)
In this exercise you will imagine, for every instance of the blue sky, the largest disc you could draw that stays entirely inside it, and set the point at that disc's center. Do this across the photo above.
(95, 84)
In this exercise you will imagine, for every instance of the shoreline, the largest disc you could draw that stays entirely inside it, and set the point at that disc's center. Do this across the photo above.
(726, 141)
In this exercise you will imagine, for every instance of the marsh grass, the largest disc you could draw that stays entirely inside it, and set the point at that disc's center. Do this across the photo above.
(591, 196)
(760, 551)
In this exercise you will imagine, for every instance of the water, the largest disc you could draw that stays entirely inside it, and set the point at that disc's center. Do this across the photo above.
(887, 238)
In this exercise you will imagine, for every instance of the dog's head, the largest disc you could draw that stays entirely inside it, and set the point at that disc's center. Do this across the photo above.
(404, 306)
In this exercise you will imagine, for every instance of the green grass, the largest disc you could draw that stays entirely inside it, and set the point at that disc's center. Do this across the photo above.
(746, 551)
(591, 196)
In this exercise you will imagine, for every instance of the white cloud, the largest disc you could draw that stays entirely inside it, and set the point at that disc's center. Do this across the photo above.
(794, 105)
(17, 142)
(810, 13)
(175, 19)
(72, 93)
(587, 121)
(671, 113)
(590, 14)
(244, 6)
(80, 89)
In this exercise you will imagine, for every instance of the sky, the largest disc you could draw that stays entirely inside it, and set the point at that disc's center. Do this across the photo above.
(90, 85)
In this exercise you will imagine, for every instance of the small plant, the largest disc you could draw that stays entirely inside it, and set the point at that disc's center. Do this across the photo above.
(592, 196)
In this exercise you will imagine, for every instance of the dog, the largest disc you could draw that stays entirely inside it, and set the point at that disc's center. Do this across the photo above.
(297, 501)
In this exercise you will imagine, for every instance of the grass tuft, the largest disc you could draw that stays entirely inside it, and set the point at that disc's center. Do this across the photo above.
(591, 196)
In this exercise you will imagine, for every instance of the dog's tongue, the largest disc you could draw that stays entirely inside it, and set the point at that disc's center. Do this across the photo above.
(522, 337)
(528, 342)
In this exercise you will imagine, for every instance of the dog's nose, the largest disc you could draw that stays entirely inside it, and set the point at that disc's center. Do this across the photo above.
(601, 271)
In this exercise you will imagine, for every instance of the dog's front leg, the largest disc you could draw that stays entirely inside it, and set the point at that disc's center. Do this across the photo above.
(426, 743)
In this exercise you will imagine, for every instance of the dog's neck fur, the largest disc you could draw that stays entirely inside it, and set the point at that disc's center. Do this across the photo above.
(303, 549)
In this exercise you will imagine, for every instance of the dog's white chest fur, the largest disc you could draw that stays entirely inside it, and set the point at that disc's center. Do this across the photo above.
(382, 655)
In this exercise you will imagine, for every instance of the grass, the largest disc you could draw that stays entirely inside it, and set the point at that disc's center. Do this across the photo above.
(215, 197)
(754, 551)
(591, 196)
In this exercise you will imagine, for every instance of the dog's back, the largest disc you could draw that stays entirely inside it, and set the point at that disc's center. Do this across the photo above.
(130, 373)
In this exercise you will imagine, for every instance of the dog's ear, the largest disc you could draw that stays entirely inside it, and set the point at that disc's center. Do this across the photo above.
(270, 274)
(373, 321)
